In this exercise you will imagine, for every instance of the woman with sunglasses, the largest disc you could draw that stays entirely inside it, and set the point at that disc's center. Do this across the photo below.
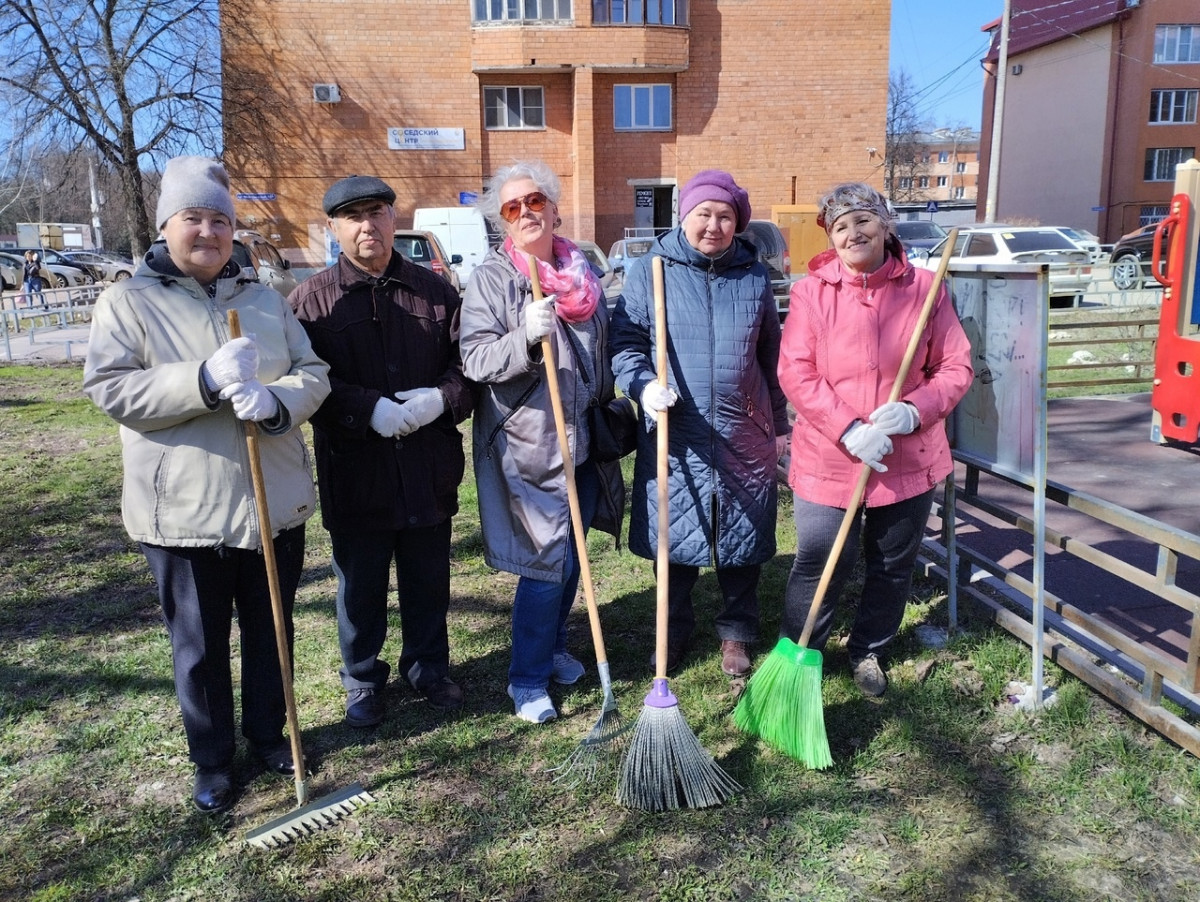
(523, 506)
(727, 412)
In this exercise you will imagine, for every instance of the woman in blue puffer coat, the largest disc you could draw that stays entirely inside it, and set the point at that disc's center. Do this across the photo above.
(728, 415)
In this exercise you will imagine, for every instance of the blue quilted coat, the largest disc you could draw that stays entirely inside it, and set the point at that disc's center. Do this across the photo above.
(723, 339)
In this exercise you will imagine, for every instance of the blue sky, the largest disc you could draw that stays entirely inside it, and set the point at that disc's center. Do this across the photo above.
(939, 44)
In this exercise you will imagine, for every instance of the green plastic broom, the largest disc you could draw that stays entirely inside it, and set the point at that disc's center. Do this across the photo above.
(781, 703)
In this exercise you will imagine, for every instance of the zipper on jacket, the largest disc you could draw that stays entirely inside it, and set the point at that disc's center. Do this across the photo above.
(537, 380)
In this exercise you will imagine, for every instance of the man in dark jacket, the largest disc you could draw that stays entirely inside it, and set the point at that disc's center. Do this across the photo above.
(389, 455)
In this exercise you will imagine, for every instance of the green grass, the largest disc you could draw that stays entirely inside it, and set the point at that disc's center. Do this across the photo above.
(941, 791)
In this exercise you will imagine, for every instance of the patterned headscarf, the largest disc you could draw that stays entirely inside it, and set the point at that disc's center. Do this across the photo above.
(851, 196)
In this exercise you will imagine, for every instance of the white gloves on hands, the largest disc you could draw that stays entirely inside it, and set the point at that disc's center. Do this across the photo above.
(388, 418)
(656, 398)
(421, 407)
(234, 361)
(869, 444)
(539, 319)
(251, 400)
(895, 418)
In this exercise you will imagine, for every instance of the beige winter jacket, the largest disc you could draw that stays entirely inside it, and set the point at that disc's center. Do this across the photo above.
(187, 473)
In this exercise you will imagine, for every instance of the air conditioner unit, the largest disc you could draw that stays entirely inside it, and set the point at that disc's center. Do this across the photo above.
(326, 94)
(1018, 69)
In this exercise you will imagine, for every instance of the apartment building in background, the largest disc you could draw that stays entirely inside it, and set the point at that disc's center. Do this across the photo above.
(1100, 104)
(624, 99)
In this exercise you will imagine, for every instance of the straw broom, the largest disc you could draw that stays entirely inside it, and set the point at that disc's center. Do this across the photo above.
(308, 817)
(665, 763)
(781, 703)
(582, 763)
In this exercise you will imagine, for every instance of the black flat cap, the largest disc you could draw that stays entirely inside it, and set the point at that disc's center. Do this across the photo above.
(355, 188)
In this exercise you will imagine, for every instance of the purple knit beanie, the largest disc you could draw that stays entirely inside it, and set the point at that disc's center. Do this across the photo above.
(715, 184)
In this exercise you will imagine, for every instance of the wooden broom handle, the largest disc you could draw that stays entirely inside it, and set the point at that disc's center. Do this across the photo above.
(860, 487)
(564, 447)
(268, 543)
(663, 562)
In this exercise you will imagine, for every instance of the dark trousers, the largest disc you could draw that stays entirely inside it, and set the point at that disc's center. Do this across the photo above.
(890, 537)
(199, 589)
(363, 564)
(738, 619)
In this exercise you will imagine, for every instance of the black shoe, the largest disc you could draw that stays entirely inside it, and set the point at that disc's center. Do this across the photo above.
(443, 694)
(212, 791)
(364, 707)
(277, 758)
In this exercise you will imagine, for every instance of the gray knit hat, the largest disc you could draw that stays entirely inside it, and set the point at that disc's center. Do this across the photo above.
(193, 182)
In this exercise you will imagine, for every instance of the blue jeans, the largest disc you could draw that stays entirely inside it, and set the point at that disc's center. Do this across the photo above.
(363, 564)
(540, 607)
(198, 589)
(891, 539)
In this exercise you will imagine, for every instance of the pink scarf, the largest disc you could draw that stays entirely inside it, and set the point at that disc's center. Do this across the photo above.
(576, 285)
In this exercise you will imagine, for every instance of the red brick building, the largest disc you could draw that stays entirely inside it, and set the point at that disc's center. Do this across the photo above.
(625, 99)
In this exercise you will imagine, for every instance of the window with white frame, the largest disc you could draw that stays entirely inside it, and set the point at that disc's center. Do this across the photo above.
(1177, 44)
(943, 156)
(1151, 215)
(923, 182)
(959, 192)
(513, 107)
(1161, 162)
(960, 167)
(905, 181)
(639, 12)
(642, 108)
(522, 10)
(1173, 106)
(942, 181)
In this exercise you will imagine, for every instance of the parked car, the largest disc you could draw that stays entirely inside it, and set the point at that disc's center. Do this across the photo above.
(623, 252)
(12, 271)
(1086, 240)
(102, 267)
(772, 248)
(599, 259)
(53, 258)
(1131, 257)
(916, 234)
(1070, 265)
(54, 275)
(252, 249)
(424, 249)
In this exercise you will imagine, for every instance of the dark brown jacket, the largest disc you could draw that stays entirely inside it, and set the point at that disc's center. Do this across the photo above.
(380, 336)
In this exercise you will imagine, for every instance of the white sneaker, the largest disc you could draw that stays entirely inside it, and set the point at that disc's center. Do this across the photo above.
(533, 705)
(567, 669)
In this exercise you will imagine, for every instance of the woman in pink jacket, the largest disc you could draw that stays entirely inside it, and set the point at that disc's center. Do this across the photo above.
(847, 328)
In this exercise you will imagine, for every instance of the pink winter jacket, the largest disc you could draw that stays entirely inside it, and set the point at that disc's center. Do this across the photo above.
(843, 341)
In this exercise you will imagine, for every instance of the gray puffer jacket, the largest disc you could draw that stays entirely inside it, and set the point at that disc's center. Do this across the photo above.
(723, 339)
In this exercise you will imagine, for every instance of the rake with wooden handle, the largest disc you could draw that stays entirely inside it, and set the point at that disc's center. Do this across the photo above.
(308, 817)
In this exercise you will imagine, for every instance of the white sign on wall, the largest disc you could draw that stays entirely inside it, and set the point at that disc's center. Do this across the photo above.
(427, 139)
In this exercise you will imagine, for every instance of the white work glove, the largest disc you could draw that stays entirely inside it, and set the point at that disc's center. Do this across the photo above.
(251, 400)
(388, 417)
(539, 319)
(234, 361)
(657, 398)
(895, 418)
(869, 444)
(421, 407)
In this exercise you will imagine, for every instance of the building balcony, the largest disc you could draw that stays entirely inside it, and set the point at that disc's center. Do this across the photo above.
(555, 47)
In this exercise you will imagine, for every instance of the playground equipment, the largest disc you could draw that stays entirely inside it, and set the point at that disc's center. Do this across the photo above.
(1175, 398)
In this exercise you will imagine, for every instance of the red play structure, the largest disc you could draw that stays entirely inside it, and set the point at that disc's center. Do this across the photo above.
(1175, 398)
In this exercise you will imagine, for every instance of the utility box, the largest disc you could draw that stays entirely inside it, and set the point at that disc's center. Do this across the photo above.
(805, 238)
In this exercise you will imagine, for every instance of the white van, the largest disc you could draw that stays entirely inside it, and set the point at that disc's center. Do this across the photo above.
(461, 230)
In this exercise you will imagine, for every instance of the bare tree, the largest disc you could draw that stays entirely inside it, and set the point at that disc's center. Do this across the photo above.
(906, 156)
(133, 81)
